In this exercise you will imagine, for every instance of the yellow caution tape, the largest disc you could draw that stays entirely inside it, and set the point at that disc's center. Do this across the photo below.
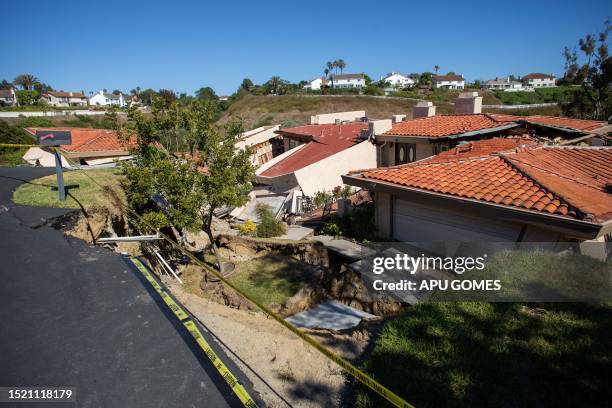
(16, 145)
(184, 318)
(359, 375)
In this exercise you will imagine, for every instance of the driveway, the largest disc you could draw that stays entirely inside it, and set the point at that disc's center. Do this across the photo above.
(79, 316)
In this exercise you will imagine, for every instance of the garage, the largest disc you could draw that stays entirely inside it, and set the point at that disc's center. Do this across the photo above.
(439, 230)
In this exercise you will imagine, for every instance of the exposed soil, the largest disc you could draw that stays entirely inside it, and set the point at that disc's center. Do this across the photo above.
(283, 368)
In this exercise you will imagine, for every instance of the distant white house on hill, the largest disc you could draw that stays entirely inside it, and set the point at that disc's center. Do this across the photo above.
(503, 84)
(539, 80)
(348, 81)
(398, 80)
(109, 99)
(61, 98)
(448, 81)
(316, 84)
(7, 97)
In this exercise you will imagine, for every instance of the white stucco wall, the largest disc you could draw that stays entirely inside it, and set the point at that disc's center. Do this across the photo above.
(331, 117)
(326, 174)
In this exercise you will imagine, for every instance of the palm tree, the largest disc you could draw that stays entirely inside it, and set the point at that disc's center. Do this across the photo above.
(26, 81)
(330, 65)
(341, 64)
(326, 71)
(437, 68)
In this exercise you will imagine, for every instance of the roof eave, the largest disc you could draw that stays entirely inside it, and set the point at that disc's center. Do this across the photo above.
(571, 226)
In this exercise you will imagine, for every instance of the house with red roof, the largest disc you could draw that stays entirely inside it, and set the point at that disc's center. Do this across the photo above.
(539, 80)
(494, 191)
(427, 134)
(316, 156)
(64, 99)
(89, 147)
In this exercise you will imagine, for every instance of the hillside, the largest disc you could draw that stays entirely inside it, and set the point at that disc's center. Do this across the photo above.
(294, 110)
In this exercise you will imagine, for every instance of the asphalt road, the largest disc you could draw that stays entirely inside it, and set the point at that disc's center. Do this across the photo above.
(75, 315)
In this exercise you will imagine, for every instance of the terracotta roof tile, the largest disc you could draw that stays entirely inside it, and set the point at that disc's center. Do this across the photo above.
(567, 181)
(483, 147)
(88, 140)
(322, 141)
(445, 125)
(568, 123)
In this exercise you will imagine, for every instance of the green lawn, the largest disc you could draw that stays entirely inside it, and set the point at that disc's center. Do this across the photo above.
(271, 278)
(43, 191)
(461, 354)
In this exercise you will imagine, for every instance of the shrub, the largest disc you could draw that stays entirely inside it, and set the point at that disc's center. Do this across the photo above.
(321, 198)
(268, 226)
(248, 228)
(331, 228)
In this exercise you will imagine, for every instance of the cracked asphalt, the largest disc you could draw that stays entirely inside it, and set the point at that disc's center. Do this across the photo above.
(76, 315)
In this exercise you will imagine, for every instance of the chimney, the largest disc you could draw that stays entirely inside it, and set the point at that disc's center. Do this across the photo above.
(468, 103)
(423, 109)
(378, 127)
(397, 118)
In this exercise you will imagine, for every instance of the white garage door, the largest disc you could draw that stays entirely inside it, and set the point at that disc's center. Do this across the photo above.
(425, 225)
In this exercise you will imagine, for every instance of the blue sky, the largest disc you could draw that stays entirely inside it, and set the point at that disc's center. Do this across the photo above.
(184, 45)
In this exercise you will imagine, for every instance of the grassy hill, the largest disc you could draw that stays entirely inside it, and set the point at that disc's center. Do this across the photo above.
(293, 110)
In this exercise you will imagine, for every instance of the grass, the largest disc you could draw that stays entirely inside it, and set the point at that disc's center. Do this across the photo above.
(540, 95)
(459, 354)
(10, 156)
(80, 189)
(271, 278)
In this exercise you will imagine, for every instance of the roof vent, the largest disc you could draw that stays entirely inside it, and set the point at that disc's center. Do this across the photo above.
(397, 118)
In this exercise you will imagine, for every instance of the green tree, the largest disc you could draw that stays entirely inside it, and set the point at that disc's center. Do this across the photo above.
(26, 97)
(276, 85)
(436, 68)
(229, 174)
(594, 99)
(167, 95)
(426, 79)
(5, 84)
(26, 81)
(341, 65)
(206, 94)
(246, 85)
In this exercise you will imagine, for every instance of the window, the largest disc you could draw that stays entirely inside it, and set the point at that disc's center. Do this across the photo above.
(405, 153)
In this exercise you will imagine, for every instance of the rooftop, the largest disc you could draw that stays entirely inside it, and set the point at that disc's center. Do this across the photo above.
(579, 125)
(62, 94)
(447, 78)
(447, 125)
(538, 75)
(322, 141)
(480, 148)
(88, 140)
(571, 182)
(348, 76)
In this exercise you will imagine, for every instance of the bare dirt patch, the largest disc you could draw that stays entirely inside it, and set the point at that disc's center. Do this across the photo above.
(289, 372)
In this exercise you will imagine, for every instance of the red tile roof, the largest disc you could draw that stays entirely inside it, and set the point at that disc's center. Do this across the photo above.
(447, 77)
(446, 125)
(88, 140)
(479, 148)
(323, 141)
(537, 75)
(568, 123)
(567, 181)
(62, 94)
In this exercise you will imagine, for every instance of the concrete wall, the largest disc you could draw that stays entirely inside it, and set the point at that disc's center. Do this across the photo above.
(53, 113)
(331, 117)
(326, 174)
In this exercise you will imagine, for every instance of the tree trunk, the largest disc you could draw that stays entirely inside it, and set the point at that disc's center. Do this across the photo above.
(213, 245)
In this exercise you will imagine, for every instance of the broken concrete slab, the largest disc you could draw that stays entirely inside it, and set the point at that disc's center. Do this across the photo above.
(330, 315)
(346, 248)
